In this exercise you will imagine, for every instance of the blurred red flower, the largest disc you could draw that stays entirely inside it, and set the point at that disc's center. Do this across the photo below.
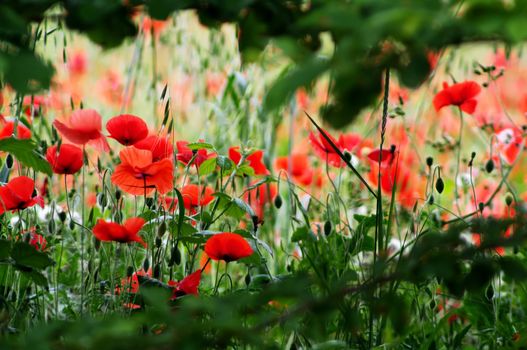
(460, 94)
(255, 160)
(228, 247)
(301, 170)
(33, 105)
(126, 233)
(22, 131)
(139, 174)
(185, 154)
(68, 159)
(19, 193)
(127, 129)
(84, 126)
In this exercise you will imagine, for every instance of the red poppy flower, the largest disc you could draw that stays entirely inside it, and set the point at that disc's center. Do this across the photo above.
(36, 240)
(228, 247)
(131, 284)
(22, 131)
(139, 174)
(19, 194)
(259, 196)
(185, 154)
(301, 170)
(188, 285)
(196, 196)
(255, 160)
(84, 127)
(68, 160)
(126, 233)
(160, 147)
(324, 149)
(460, 94)
(387, 156)
(127, 129)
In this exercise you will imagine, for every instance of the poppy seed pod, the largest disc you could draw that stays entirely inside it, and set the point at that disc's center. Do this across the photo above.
(157, 271)
(146, 264)
(162, 229)
(508, 199)
(129, 271)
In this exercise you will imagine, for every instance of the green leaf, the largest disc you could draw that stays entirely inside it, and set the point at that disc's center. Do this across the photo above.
(5, 249)
(207, 167)
(36, 277)
(302, 234)
(25, 152)
(27, 256)
(194, 146)
(25, 72)
(513, 268)
(286, 85)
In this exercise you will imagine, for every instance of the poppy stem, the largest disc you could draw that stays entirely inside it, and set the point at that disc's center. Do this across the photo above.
(458, 161)
(204, 266)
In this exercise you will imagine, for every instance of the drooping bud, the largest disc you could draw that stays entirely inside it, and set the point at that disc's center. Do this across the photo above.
(327, 228)
(278, 201)
(429, 161)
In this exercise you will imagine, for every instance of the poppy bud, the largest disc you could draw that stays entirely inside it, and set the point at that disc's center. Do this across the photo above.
(255, 220)
(146, 264)
(429, 161)
(157, 271)
(473, 155)
(327, 228)
(247, 278)
(431, 199)
(101, 199)
(489, 293)
(51, 226)
(508, 199)
(278, 202)
(489, 166)
(158, 242)
(481, 206)
(117, 194)
(149, 202)
(347, 156)
(9, 161)
(162, 229)
(129, 271)
(432, 304)
(440, 185)
(62, 216)
(393, 148)
(72, 225)
(176, 256)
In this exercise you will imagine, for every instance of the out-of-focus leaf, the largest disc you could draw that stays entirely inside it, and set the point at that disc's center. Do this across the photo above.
(27, 256)
(24, 151)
